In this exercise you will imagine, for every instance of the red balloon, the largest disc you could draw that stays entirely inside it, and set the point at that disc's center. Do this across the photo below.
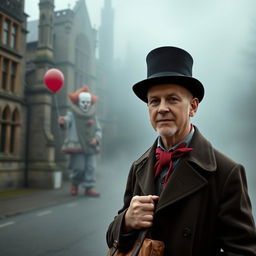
(54, 80)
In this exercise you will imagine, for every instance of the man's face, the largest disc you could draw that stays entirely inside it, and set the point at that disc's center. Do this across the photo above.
(170, 108)
(84, 101)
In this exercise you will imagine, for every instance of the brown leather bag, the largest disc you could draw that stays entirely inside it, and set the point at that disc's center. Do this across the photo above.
(142, 247)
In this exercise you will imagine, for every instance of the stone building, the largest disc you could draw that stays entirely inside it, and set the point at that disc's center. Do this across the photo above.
(13, 118)
(30, 139)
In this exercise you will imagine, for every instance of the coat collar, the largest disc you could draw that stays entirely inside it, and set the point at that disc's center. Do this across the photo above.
(203, 153)
(186, 179)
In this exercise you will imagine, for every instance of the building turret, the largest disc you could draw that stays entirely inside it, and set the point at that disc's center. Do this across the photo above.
(45, 28)
(42, 169)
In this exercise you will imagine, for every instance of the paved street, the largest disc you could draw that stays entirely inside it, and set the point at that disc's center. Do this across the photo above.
(71, 226)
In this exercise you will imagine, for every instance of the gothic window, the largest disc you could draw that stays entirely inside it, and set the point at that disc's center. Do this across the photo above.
(9, 71)
(5, 73)
(15, 122)
(9, 32)
(5, 127)
(13, 76)
(6, 38)
(14, 36)
(9, 130)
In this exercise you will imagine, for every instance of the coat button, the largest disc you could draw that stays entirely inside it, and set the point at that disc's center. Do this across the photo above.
(186, 232)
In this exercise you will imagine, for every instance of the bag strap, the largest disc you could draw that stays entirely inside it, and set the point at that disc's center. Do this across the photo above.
(115, 244)
(139, 242)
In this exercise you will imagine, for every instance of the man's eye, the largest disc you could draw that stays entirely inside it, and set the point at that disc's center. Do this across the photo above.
(173, 99)
(153, 102)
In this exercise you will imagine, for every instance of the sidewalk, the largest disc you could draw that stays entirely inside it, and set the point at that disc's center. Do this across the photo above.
(28, 199)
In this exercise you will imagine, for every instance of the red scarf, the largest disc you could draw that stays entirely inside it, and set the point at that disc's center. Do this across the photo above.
(164, 159)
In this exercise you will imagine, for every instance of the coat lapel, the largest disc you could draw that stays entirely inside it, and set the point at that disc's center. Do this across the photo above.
(183, 182)
(145, 172)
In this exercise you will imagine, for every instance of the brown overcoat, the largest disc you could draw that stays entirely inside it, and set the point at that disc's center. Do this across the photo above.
(204, 209)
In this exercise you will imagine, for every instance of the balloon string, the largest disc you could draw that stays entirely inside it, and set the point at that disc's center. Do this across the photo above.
(58, 114)
(56, 105)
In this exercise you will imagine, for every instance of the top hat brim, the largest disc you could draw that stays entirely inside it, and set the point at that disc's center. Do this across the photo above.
(192, 84)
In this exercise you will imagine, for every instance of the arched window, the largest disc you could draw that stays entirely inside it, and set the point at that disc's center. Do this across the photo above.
(14, 134)
(5, 123)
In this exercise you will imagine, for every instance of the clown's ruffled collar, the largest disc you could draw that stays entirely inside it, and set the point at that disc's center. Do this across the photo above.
(80, 114)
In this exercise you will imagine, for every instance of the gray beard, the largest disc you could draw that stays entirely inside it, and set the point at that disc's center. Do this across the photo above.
(168, 133)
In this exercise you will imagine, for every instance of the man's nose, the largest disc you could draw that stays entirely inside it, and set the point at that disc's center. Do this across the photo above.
(163, 107)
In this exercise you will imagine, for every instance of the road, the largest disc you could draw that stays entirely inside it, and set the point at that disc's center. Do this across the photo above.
(75, 228)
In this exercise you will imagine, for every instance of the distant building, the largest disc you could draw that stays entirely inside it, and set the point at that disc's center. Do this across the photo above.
(30, 139)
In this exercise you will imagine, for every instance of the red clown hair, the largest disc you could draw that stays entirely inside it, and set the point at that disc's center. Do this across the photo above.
(74, 95)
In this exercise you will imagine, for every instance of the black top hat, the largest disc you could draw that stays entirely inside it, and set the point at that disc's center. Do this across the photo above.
(169, 65)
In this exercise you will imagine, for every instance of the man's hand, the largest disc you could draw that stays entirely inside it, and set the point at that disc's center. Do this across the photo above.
(140, 212)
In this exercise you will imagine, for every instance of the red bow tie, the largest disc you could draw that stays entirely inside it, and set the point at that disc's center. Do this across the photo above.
(166, 158)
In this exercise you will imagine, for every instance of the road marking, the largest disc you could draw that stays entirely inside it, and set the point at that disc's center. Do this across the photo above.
(7, 224)
(43, 213)
(72, 204)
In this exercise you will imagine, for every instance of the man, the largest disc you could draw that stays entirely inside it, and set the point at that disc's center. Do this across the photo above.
(189, 195)
(83, 136)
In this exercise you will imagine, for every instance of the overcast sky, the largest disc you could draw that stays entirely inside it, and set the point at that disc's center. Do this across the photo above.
(191, 24)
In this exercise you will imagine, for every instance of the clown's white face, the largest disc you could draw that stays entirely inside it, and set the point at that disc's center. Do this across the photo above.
(85, 101)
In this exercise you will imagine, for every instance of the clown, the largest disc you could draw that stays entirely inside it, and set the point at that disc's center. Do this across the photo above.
(82, 142)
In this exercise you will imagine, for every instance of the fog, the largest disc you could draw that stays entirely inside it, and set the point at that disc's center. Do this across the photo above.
(220, 35)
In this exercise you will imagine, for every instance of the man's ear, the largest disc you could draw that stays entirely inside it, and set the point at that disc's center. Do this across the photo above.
(193, 106)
